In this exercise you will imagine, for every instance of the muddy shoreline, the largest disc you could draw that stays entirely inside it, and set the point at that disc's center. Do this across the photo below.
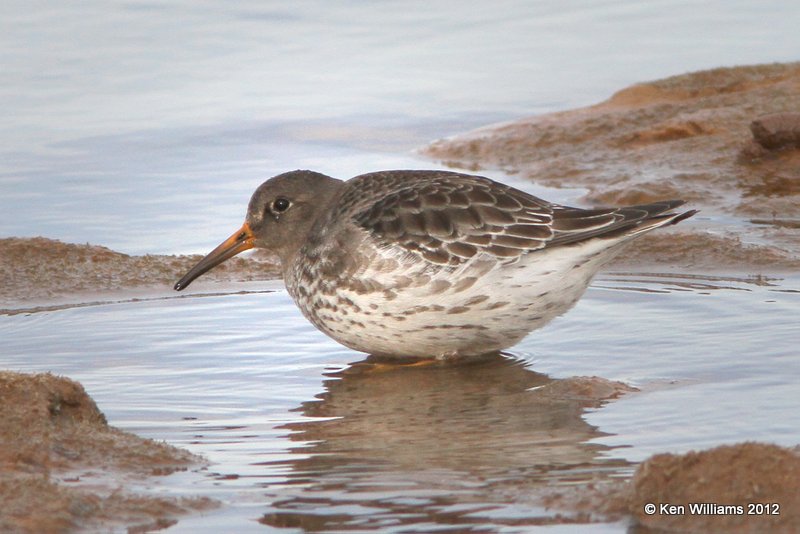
(63, 468)
(725, 140)
(39, 273)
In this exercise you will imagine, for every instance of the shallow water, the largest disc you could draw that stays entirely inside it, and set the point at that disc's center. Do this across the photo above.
(145, 127)
(299, 437)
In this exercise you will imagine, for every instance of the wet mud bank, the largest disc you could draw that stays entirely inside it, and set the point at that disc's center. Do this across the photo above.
(725, 140)
(748, 487)
(743, 488)
(63, 468)
(40, 272)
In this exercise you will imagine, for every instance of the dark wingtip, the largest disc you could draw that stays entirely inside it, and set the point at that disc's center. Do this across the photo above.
(683, 216)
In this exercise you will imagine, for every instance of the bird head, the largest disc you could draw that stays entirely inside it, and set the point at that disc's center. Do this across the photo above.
(280, 214)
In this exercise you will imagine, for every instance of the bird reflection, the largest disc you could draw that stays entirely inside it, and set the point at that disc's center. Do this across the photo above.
(437, 443)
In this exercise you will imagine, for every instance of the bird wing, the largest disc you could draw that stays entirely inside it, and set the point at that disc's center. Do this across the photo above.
(447, 218)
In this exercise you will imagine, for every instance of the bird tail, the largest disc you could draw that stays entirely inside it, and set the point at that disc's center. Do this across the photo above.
(573, 225)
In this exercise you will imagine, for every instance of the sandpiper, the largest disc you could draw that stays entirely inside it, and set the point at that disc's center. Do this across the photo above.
(414, 263)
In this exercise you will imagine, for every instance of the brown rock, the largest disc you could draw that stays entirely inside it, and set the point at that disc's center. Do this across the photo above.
(777, 131)
(756, 485)
(50, 427)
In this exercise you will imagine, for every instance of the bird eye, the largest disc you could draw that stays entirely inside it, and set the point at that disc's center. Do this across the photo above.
(280, 204)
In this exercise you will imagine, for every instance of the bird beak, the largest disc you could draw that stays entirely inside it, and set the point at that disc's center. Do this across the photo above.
(240, 241)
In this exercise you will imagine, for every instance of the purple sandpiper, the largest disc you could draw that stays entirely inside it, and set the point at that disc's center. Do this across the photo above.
(427, 264)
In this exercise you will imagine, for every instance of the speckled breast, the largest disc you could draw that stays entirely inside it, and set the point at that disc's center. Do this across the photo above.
(397, 305)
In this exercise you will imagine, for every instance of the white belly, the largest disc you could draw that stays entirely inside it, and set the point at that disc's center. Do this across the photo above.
(483, 306)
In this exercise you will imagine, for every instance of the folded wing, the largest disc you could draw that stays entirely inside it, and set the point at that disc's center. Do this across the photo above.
(448, 218)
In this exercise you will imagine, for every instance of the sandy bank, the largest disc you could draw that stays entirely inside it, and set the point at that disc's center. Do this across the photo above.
(40, 271)
(726, 140)
(62, 467)
(758, 484)
(742, 488)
